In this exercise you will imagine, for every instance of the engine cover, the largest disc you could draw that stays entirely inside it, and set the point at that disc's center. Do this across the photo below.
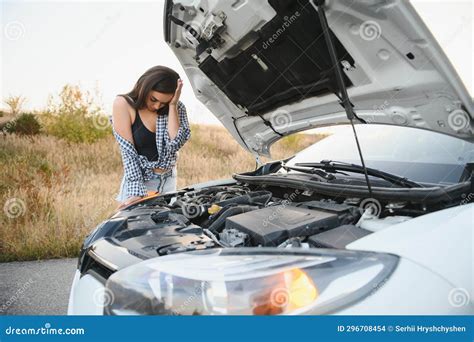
(271, 226)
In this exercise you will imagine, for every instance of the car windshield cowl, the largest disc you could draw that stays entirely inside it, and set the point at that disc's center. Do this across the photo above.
(332, 166)
(432, 194)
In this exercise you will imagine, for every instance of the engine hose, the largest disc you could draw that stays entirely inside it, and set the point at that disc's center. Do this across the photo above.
(264, 199)
(218, 225)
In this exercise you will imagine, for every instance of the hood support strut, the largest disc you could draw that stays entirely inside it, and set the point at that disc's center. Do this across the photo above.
(318, 5)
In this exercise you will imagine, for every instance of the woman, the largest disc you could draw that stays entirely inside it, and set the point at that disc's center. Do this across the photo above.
(150, 126)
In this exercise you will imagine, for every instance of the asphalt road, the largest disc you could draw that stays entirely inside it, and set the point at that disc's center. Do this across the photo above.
(36, 287)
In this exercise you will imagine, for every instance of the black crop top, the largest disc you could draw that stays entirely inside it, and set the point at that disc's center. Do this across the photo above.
(145, 140)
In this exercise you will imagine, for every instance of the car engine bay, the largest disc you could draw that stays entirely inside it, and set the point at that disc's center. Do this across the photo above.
(243, 215)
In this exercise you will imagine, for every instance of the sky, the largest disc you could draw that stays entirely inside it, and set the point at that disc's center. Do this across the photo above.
(107, 45)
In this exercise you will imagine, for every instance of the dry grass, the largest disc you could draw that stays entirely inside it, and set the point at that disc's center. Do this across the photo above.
(53, 193)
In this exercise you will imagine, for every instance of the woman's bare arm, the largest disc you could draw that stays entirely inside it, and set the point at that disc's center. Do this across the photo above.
(173, 121)
(123, 126)
(121, 118)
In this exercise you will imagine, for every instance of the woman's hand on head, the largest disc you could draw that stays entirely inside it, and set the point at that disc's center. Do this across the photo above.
(177, 93)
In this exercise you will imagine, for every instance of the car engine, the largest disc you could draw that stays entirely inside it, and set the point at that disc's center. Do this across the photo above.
(242, 216)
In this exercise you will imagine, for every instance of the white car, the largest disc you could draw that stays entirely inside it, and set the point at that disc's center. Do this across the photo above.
(378, 225)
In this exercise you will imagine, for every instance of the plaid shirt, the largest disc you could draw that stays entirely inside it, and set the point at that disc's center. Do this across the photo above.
(137, 168)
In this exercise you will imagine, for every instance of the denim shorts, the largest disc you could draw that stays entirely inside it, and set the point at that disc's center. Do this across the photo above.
(160, 182)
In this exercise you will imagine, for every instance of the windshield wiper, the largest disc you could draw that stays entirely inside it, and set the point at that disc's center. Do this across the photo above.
(333, 166)
(313, 171)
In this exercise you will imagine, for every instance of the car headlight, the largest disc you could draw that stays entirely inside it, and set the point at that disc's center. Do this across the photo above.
(247, 281)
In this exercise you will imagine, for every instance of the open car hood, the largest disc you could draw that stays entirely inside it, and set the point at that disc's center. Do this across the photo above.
(263, 67)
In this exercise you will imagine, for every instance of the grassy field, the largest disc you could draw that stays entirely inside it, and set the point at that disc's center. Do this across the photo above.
(54, 192)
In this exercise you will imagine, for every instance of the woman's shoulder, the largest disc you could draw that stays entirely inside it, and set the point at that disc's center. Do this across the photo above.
(123, 109)
(121, 102)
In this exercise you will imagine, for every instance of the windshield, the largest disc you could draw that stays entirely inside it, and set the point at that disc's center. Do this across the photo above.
(419, 155)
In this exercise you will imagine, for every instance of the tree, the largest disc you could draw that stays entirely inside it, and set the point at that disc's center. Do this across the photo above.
(15, 103)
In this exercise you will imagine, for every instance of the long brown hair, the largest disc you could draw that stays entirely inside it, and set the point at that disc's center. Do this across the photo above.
(158, 78)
